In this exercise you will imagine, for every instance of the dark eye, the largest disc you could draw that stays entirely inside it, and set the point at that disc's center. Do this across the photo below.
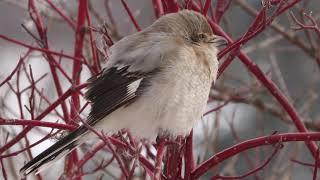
(201, 36)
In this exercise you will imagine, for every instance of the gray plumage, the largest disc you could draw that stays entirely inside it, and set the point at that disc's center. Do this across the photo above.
(156, 81)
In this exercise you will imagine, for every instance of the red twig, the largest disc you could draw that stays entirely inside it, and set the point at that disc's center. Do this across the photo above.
(273, 89)
(269, 84)
(16, 68)
(252, 143)
(172, 6)
(42, 31)
(79, 39)
(206, 7)
(256, 27)
(221, 7)
(131, 172)
(90, 154)
(28, 147)
(19, 136)
(4, 173)
(237, 138)
(302, 163)
(66, 18)
(189, 160)
(107, 141)
(38, 48)
(78, 46)
(227, 62)
(36, 123)
(110, 16)
(277, 148)
(95, 59)
(158, 8)
(216, 108)
(314, 26)
(18, 94)
(174, 155)
(144, 162)
(133, 20)
(55, 64)
(316, 163)
(160, 153)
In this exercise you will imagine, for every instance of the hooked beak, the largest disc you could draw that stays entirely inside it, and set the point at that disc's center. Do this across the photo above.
(219, 41)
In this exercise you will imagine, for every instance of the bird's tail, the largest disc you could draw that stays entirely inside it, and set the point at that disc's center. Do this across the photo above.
(55, 152)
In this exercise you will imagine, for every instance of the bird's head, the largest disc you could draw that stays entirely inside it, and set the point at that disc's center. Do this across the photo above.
(190, 25)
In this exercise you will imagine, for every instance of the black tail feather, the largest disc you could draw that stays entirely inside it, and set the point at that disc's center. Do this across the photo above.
(55, 152)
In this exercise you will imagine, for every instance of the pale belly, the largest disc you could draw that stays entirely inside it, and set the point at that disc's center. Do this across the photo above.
(171, 106)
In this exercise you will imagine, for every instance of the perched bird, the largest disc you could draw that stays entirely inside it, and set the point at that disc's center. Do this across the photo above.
(155, 82)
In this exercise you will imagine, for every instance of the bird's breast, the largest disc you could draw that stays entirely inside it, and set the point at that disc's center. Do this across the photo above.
(179, 95)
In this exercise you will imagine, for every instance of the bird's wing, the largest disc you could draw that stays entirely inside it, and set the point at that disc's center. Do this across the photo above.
(130, 61)
(112, 89)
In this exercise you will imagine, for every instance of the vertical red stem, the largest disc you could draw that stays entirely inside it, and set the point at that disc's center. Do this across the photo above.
(160, 153)
(189, 160)
(133, 20)
(158, 8)
(96, 65)
(206, 7)
(79, 40)
(172, 6)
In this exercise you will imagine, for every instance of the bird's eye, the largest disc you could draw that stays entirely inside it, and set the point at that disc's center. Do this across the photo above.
(201, 36)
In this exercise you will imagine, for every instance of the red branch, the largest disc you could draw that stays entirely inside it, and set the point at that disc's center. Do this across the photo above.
(172, 6)
(158, 8)
(90, 154)
(79, 38)
(253, 170)
(78, 46)
(35, 123)
(19, 136)
(66, 18)
(316, 166)
(29, 146)
(269, 84)
(4, 173)
(38, 49)
(160, 153)
(221, 7)
(302, 163)
(314, 26)
(249, 144)
(189, 160)
(96, 66)
(42, 31)
(206, 7)
(133, 20)
(15, 69)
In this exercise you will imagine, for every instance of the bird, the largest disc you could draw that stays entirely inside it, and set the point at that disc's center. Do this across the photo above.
(155, 82)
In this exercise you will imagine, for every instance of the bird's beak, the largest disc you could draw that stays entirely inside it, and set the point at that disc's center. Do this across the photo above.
(219, 41)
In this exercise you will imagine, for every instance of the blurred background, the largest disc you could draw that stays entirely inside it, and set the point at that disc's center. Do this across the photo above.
(289, 57)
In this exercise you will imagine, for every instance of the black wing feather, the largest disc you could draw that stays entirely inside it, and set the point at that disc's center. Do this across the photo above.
(108, 80)
(109, 91)
(62, 147)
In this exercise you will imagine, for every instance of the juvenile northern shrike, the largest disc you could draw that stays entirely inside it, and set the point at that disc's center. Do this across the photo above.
(156, 81)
